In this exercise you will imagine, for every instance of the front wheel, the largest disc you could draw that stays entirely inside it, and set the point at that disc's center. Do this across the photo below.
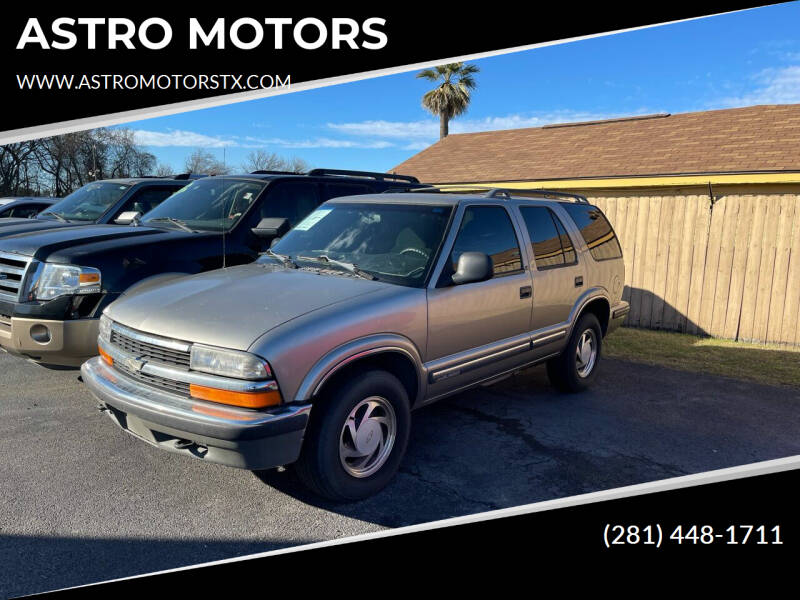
(356, 438)
(576, 367)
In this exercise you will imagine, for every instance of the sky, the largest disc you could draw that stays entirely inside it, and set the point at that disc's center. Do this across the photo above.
(740, 59)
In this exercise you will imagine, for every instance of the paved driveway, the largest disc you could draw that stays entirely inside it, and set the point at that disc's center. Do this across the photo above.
(82, 501)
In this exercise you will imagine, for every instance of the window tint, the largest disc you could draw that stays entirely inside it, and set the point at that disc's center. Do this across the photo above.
(290, 200)
(25, 212)
(147, 199)
(334, 190)
(595, 229)
(545, 241)
(566, 243)
(488, 229)
(5, 213)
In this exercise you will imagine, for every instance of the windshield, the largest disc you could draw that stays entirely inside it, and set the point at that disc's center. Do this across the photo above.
(88, 203)
(392, 242)
(210, 204)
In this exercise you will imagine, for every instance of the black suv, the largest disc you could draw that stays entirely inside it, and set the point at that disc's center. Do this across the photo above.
(101, 202)
(23, 207)
(54, 284)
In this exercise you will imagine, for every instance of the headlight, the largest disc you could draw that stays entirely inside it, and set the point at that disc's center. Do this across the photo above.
(228, 363)
(53, 281)
(105, 328)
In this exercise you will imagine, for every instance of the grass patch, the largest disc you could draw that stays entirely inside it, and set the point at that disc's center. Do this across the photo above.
(767, 364)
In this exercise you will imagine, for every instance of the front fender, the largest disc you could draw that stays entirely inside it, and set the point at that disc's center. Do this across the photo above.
(345, 354)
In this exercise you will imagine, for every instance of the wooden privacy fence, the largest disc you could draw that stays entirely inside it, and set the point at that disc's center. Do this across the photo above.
(731, 271)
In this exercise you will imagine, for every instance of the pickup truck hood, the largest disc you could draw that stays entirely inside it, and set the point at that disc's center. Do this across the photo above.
(57, 244)
(233, 307)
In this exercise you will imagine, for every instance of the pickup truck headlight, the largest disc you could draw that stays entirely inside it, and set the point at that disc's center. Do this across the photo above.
(228, 363)
(105, 328)
(54, 280)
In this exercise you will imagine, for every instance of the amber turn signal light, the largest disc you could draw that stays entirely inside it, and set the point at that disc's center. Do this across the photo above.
(243, 399)
(105, 356)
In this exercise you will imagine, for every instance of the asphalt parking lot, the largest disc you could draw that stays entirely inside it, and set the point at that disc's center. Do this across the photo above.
(82, 501)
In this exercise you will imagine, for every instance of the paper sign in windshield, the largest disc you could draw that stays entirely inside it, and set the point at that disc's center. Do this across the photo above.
(312, 219)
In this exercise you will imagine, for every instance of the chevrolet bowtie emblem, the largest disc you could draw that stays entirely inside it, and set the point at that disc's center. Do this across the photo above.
(134, 364)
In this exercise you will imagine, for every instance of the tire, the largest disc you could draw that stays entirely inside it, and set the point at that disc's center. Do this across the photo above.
(331, 463)
(567, 372)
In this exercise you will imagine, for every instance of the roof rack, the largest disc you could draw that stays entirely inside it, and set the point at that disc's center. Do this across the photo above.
(399, 190)
(506, 193)
(267, 172)
(491, 192)
(378, 176)
(185, 176)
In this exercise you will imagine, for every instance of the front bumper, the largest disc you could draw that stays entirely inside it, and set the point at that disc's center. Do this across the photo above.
(61, 343)
(619, 313)
(217, 433)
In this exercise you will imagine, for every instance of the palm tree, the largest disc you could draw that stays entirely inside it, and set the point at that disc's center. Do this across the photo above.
(451, 98)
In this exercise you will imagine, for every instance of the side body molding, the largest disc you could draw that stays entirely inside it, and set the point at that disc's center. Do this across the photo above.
(355, 350)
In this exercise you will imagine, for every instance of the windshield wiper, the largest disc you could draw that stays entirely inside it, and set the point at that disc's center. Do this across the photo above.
(58, 216)
(287, 262)
(349, 267)
(173, 220)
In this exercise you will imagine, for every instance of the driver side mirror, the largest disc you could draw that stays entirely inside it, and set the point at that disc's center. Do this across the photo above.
(272, 227)
(127, 217)
(472, 267)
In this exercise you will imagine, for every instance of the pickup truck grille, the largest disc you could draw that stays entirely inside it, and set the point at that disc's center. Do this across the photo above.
(12, 274)
(148, 348)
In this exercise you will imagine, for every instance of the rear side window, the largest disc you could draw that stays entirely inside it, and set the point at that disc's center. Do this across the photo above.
(290, 200)
(550, 243)
(25, 212)
(595, 229)
(488, 229)
(148, 198)
(335, 190)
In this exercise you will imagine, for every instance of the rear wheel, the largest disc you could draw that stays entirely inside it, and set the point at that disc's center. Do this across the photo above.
(576, 367)
(356, 438)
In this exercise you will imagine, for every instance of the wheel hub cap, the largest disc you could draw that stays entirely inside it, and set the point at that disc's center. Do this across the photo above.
(367, 437)
(586, 353)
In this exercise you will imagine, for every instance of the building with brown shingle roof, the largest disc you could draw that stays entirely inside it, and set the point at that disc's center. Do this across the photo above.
(755, 139)
(706, 206)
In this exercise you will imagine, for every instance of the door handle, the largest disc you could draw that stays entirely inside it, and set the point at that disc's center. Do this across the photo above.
(525, 292)
(579, 281)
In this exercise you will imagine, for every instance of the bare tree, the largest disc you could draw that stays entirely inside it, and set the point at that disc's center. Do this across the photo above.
(203, 162)
(261, 160)
(163, 170)
(297, 165)
(61, 164)
(14, 172)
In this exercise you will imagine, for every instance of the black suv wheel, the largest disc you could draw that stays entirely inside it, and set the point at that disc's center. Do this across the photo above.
(576, 367)
(356, 438)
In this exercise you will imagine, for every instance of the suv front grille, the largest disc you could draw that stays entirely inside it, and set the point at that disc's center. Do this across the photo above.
(169, 385)
(148, 351)
(12, 274)
(154, 349)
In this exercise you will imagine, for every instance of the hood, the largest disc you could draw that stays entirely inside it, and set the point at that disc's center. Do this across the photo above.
(56, 244)
(233, 307)
(12, 226)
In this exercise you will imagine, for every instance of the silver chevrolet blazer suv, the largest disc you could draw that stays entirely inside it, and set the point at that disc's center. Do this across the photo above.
(316, 354)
